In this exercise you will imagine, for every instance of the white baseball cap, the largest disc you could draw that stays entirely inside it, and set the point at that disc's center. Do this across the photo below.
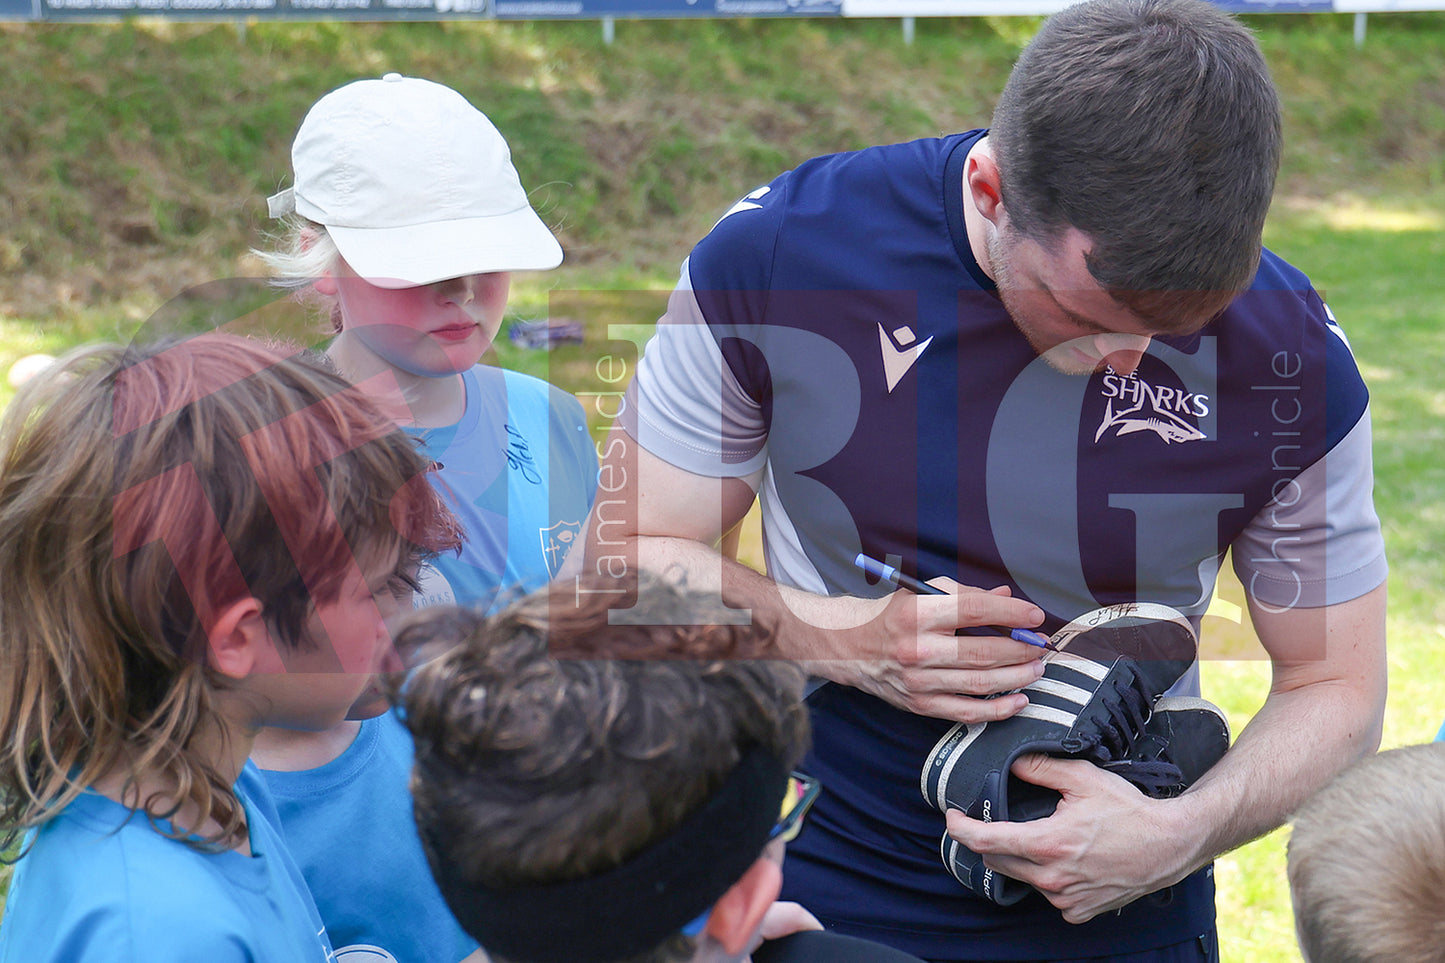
(414, 184)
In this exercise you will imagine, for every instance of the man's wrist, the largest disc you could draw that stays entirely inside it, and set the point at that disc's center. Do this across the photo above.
(1187, 831)
(818, 630)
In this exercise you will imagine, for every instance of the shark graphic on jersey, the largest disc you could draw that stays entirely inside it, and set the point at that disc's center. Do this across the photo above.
(1142, 406)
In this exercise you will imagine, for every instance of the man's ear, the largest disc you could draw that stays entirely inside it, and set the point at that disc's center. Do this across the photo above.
(981, 178)
(240, 642)
(737, 915)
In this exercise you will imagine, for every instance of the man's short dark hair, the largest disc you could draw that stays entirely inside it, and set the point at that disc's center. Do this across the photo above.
(1153, 127)
(555, 743)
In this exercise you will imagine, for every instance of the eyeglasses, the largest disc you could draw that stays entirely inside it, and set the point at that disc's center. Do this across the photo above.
(801, 794)
(799, 797)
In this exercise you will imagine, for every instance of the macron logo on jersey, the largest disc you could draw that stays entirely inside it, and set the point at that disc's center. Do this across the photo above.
(899, 352)
(1334, 328)
(748, 203)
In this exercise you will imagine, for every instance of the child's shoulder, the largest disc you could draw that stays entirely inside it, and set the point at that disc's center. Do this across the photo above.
(100, 883)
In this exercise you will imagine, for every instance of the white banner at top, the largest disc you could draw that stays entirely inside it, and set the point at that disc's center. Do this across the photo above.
(953, 8)
(1381, 6)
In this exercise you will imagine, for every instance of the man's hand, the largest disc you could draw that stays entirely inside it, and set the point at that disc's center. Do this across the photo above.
(906, 652)
(1105, 846)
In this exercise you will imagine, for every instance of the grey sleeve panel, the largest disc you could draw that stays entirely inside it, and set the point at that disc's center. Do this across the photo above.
(1319, 541)
(685, 405)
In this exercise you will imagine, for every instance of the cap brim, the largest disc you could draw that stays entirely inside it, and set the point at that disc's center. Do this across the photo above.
(398, 257)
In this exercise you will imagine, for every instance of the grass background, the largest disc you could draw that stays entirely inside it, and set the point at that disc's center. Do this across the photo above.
(135, 158)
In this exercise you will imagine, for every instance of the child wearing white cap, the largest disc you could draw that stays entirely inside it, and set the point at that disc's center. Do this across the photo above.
(406, 218)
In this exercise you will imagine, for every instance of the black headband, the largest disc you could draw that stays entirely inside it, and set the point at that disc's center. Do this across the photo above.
(633, 907)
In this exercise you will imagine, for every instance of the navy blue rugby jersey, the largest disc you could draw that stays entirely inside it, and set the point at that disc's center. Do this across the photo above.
(834, 341)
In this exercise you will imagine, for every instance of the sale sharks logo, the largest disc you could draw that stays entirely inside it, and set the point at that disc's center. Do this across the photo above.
(1135, 405)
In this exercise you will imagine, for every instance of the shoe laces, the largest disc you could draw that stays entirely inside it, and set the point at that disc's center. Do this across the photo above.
(1128, 714)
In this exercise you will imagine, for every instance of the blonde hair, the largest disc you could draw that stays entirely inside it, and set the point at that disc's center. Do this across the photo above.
(304, 252)
(142, 490)
(1367, 861)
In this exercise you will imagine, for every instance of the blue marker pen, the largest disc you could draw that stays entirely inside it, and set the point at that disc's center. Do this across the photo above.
(903, 580)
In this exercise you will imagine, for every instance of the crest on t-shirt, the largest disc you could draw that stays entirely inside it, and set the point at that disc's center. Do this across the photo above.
(557, 541)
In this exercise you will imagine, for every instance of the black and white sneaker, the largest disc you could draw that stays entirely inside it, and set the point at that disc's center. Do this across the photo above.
(1093, 702)
(1183, 739)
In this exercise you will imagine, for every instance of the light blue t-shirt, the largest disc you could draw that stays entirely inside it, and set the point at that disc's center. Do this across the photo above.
(352, 832)
(519, 470)
(101, 885)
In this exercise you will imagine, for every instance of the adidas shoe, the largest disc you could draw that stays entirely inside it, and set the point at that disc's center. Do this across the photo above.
(1093, 702)
(1183, 739)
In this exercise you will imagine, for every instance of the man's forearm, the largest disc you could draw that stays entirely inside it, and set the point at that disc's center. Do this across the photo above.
(1321, 715)
(1295, 744)
(808, 626)
(902, 648)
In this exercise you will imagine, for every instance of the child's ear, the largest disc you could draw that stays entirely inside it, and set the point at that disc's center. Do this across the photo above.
(737, 915)
(326, 283)
(240, 642)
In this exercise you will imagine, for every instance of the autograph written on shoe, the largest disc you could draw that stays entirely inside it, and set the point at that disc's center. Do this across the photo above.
(1111, 612)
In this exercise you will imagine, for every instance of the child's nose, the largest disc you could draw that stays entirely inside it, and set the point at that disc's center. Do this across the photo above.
(460, 291)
